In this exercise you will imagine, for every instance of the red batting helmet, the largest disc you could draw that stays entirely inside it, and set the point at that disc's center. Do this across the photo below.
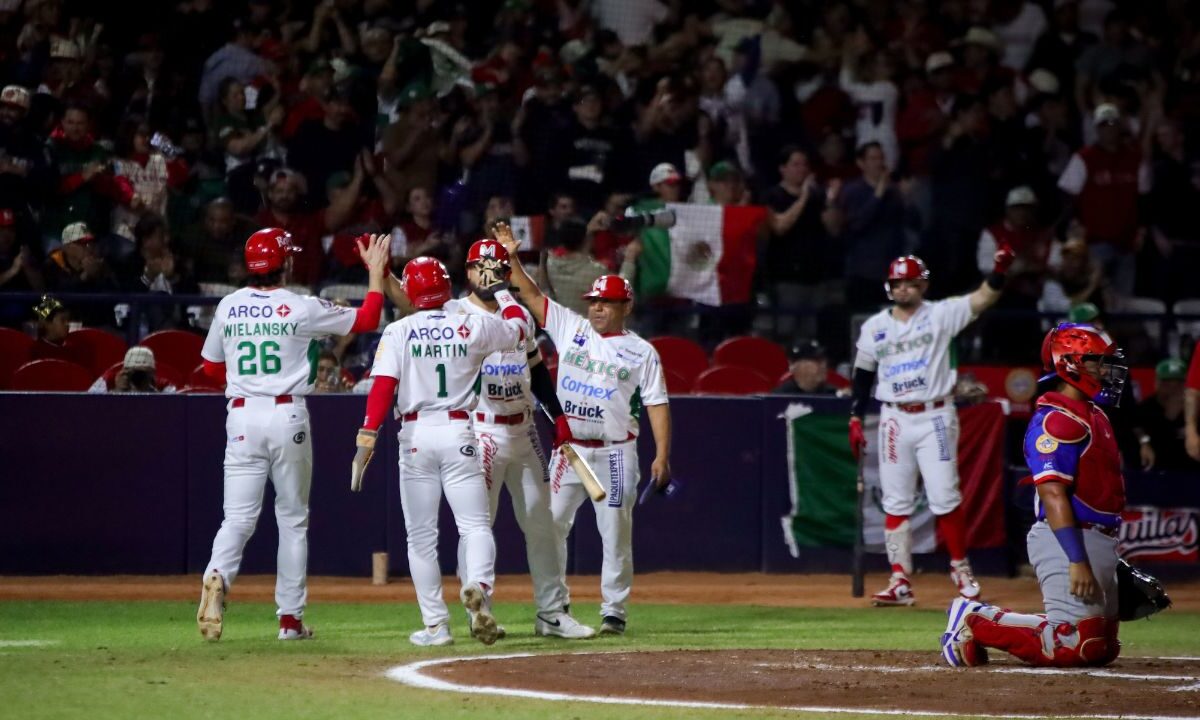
(1066, 349)
(426, 282)
(487, 249)
(905, 267)
(610, 287)
(267, 249)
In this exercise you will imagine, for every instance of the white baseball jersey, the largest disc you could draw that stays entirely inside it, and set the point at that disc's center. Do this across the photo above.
(915, 360)
(267, 340)
(436, 355)
(504, 377)
(603, 380)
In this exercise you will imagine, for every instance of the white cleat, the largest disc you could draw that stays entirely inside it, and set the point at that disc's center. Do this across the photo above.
(964, 579)
(436, 636)
(483, 625)
(290, 628)
(210, 617)
(562, 625)
(959, 648)
(898, 592)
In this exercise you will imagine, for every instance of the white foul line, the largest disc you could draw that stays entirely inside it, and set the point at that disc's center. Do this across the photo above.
(26, 643)
(410, 674)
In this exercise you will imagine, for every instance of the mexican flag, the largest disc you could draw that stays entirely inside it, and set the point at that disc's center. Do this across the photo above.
(529, 231)
(821, 474)
(708, 256)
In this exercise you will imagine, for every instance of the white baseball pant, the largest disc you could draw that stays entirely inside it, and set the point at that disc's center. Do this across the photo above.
(924, 443)
(265, 440)
(439, 454)
(616, 467)
(511, 456)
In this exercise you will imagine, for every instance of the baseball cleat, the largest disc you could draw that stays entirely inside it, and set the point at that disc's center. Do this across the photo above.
(612, 626)
(210, 616)
(290, 628)
(898, 592)
(964, 579)
(501, 632)
(483, 625)
(562, 625)
(959, 648)
(436, 636)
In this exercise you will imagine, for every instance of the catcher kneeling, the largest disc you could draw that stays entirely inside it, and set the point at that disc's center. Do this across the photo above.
(1076, 467)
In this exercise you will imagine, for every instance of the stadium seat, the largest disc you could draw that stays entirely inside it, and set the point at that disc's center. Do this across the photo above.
(14, 352)
(200, 379)
(731, 380)
(676, 383)
(51, 376)
(757, 353)
(176, 348)
(1190, 326)
(198, 390)
(99, 347)
(682, 356)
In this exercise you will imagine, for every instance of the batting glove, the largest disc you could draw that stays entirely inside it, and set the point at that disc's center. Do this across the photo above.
(1003, 259)
(858, 441)
(562, 431)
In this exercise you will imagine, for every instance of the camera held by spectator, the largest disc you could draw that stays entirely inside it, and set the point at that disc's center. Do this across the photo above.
(137, 373)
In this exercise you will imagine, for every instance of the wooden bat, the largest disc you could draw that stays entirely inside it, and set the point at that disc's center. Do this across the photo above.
(856, 582)
(582, 469)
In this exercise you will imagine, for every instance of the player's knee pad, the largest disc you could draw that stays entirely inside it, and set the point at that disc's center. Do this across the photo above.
(1088, 642)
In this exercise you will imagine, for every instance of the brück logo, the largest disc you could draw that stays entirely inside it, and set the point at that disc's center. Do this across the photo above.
(1164, 534)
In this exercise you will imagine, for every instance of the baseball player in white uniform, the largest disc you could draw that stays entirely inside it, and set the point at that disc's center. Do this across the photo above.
(909, 348)
(606, 376)
(262, 344)
(509, 448)
(434, 357)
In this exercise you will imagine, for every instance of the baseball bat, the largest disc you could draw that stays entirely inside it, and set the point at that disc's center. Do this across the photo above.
(856, 581)
(590, 482)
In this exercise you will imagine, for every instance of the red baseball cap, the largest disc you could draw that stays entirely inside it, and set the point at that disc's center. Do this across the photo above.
(610, 287)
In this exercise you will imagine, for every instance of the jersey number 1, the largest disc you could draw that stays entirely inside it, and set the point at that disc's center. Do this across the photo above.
(248, 361)
(441, 371)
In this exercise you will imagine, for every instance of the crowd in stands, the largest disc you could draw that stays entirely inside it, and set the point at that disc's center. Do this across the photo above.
(141, 142)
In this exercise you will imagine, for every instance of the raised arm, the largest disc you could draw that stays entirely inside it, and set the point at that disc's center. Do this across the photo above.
(992, 287)
(534, 300)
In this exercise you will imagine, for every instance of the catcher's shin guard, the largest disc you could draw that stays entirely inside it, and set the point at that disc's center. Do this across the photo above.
(1090, 642)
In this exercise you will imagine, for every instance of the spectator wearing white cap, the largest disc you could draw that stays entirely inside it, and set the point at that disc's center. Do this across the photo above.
(666, 182)
(1059, 47)
(77, 266)
(138, 374)
(1105, 182)
(25, 179)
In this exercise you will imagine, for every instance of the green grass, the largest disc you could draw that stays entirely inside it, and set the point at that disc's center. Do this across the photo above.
(146, 660)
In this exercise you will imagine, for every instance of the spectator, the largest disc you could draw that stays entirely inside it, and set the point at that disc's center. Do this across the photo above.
(1105, 182)
(632, 20)
(1058, 49)
(1074, 279)
(1010, 339)
(802, 266)
(1161, 418)
(538, 128)
(243, 135)
(590, 148)
(1018, 26)
(283, 210)
(236, 60)
(53, 326)
(570, 268)
(412, 144)
(926, 112)
(25, 176)
(607, 245)
(874, 228)
(352, 213)
(664, 130)
(727, 184)
(666, 183)
(214, 245)
(980, 62)
(153, 267)
(755, 100)
(149, 172)
(77, 267)
(1174, 198)
(809, 370)
(18, 268)
(499, 207)
(416, 236)
(138, 374)
(866, 78)
(1117, 52)
(330, 377)
(308, 103)
(560, 210)
(85, 169)
(323, 147)
(483, 142)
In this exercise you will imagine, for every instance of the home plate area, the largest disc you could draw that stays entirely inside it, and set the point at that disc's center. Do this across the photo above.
(828, 680)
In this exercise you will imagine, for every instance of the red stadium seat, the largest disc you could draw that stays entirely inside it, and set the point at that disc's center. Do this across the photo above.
(682, 356)
(757, 353)
(730, 380)
(14, 352)
(52, 376)
(176, 348)
(676, 383)
(199, 390)
(200, 379)
(99, 348)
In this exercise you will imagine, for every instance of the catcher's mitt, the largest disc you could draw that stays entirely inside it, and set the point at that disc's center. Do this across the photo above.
(1139, 594)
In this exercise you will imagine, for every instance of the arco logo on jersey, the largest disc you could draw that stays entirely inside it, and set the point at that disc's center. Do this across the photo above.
(594, 366)
(283, 311)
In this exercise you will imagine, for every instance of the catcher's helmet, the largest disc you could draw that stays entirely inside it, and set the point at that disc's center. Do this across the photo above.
(487, 249)
(610, 287)
(426, 282)
(905, 267)
(1070, 345)
(267, 249)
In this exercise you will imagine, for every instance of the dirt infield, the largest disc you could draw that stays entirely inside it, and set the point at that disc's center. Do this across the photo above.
(849, 680)
(812, 591)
